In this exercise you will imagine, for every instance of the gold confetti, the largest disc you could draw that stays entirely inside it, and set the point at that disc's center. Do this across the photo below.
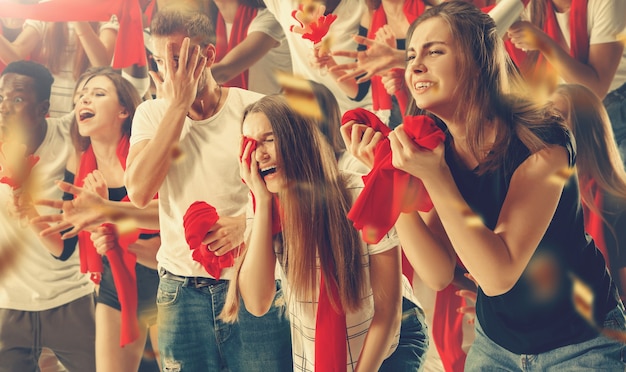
(561, 176)
(325, 45)
(177, 154)
(126, 225)
(543, 274)
(299, 95)
(370, 234)
(583, 299)
(10, 253)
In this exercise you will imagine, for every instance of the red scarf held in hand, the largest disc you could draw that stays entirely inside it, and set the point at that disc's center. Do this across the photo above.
(380, 99)
(579, 43)
(447, 329)
(389, 191)
(122, 261)
(129, 47)
(594, 225)
(198, 221)
(244, 16)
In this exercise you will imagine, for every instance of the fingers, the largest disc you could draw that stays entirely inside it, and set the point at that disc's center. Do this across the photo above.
(57, 204)
(345, 53)
(69, 188)
(51, 218)
(467, 294)
(57, 229)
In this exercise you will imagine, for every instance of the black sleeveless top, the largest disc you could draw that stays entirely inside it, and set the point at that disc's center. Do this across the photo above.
(538, 313)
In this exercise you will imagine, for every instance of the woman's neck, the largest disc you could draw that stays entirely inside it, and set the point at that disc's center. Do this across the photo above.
(106, 150)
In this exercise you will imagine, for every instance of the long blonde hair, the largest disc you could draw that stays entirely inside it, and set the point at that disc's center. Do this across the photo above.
(315, 204)
(598, 157)
(55, 40)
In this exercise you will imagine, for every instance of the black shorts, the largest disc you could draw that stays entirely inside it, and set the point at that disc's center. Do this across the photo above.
(147, 285)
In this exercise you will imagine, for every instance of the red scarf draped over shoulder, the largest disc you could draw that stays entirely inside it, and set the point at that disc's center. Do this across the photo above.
(244, 16)
(380, 99)
(122, 261)
(542, 71)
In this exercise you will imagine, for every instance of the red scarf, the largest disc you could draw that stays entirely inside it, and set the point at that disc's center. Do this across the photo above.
(380, 99)
(198, 221)
(129, 47)
(447, 329)
(121, 260)
(594, 225)
(244, 16)
(389, 191)
(542, 71)
(331, 350)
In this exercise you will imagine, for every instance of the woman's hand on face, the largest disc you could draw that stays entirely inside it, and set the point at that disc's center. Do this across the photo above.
(361, 141)
(251, 175)
(409, 157)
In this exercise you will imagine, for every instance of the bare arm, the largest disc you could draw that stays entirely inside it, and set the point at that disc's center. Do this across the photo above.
(495, 258)
(243, 56)
(146, 250)
(21, 47)
(425, 243)
(597, 74)
(256, 279)
(88, 210)
(386, 281)
(98, 47)
(149, 161)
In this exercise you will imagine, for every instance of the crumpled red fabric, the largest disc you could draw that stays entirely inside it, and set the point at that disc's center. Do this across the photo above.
(389, 191)
(198, 221)
(129, 46)
(316, 30)
(18, 176)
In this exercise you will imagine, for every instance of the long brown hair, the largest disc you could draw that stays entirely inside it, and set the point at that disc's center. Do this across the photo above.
(127, 96)
(598, 157)
(492, 89)
(54, 43)
(315, 203)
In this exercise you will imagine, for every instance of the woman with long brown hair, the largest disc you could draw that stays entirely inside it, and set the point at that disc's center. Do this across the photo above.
(349, 306)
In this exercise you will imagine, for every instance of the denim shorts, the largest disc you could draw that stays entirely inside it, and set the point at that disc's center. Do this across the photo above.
(192, 338)
(598, 354)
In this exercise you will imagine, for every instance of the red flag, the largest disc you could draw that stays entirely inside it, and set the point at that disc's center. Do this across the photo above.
(129, 47)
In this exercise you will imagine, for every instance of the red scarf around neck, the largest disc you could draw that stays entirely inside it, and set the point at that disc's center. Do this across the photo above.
(412, 9)
(121, 260)
(389, 191)
(239, 32)
(542, 71)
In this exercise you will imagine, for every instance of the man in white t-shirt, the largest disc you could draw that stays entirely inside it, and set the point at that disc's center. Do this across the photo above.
(185, 146)
(44, 301)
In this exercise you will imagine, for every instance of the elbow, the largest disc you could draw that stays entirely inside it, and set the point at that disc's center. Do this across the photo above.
(498, 288)
(138, 198)
(257, 307)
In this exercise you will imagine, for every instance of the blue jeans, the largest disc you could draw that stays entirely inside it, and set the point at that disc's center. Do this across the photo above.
(411, 352)
(192, 339)
(615, 104)
(598, 354)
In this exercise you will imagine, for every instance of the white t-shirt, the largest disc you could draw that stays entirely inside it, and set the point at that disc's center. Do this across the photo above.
(261, 75)
(37, 281)
(302, 314)
(62, 93)
(605, 20)
(208, 170)
(347, 24)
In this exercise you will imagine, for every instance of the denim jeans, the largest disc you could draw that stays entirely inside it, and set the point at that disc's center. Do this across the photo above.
(598, 354)
(411, 352)
(615, 104)
(192, 339)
